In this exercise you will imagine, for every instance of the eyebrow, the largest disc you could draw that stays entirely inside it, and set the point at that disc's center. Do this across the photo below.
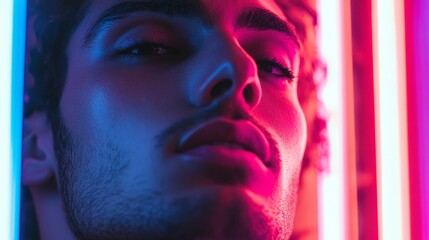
(253, 18)
(183, 8)
(262, 19)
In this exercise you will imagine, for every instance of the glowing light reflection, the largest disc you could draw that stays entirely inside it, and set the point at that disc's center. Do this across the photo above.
(12, 45)
(331, 182)
(391, 125)
(5, 120)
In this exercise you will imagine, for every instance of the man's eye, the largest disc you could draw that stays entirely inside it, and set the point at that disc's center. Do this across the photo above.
(276, 69)
(147, 49)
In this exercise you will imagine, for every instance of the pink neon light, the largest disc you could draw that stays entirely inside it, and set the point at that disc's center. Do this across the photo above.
(336, 189)
(391, 123)
(417, 27)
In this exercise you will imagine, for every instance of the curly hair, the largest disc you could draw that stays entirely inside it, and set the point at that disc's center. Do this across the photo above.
(54, 23)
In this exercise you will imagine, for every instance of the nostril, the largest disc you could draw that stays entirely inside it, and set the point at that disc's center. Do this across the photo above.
(249, 94)
(220, 88)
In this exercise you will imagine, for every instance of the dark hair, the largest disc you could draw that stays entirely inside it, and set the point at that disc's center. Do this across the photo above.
(54, 23)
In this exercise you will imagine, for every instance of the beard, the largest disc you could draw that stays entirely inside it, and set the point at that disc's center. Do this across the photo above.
(100, 203)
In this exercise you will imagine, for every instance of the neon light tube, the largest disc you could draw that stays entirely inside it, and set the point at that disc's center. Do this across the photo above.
(335, 220)
(12, 46)
(391, 122)
(5, 120)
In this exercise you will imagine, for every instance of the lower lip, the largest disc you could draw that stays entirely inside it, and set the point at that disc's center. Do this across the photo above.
(224, 157)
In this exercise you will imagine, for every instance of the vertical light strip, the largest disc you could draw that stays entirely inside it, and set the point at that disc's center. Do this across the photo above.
(17, 86)
(421, 48)
(391, 121)
(12, 49)
(333, 219)
(349, 157)
(5, 119)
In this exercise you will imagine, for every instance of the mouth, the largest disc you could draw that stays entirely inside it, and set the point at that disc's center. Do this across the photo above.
(222, 138)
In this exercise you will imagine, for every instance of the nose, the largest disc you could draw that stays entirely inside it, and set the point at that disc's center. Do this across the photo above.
(228, 76)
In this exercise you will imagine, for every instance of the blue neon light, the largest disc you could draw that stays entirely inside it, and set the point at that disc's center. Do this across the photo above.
(18, 63)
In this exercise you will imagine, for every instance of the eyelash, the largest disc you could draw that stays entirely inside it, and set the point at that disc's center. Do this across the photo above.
(147, 49)
(285, 72)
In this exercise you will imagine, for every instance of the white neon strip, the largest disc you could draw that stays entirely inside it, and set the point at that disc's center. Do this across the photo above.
(331, 182)
(12, 45)
(5, 119)
(391, 125)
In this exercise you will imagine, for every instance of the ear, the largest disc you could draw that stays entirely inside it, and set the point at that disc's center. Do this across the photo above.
(38, 156)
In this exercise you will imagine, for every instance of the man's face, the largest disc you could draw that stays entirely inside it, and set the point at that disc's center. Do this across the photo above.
(181, 121)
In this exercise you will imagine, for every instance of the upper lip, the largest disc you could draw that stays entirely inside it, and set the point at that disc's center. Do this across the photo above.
(224, 130)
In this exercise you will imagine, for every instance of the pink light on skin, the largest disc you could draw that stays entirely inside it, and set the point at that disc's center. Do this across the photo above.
(391, 122)
(336, 189)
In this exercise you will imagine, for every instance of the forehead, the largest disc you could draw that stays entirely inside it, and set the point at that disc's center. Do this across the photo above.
(216, 12)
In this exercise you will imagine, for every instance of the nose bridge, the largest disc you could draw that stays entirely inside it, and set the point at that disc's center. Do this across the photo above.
(232, 75)
(241, 65)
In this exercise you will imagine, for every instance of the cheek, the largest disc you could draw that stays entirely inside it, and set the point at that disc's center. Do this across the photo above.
(114, 128)
(292, 139)
(88, 110)
(284, 118)
(117, 103)
(286, 121)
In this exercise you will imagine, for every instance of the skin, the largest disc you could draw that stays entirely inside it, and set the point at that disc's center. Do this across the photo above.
(113, 164)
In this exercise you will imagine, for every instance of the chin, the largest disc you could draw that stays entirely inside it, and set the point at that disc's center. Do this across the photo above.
(212, 212)
(229, 212)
